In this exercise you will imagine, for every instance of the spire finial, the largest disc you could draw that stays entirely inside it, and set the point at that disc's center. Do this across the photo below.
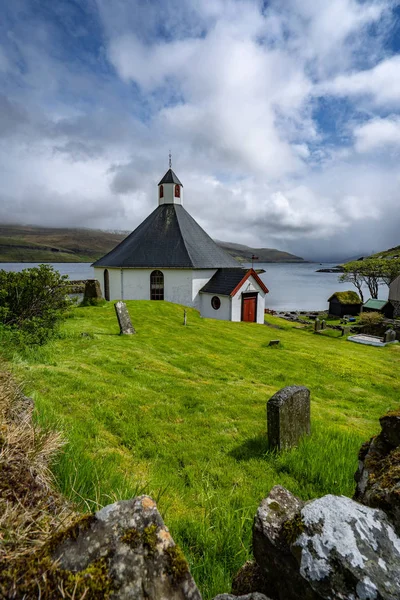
(170, 159)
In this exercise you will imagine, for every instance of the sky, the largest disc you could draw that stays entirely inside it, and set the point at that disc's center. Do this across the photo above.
(282, 116)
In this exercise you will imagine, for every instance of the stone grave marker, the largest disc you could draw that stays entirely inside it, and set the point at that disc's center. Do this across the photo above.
(274, 343)
(92, 290)
(124, 320)
(288, 416)
(317, 325)
(390, 336)
(323, 324)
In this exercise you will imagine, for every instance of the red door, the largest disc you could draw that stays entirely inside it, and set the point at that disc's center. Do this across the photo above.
(249, 309)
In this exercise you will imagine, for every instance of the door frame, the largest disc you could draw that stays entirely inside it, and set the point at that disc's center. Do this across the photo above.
(249, 295)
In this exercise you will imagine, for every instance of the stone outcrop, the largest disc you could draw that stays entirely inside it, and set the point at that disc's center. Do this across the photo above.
(124, 551)
(249, 579)
(332, 548)
(92, 290)
(378, 474)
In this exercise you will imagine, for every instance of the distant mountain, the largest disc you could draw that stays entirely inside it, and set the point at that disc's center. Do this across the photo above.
(29, 243)
(244, 253)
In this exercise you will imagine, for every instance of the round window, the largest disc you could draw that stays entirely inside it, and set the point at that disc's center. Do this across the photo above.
(215, 302)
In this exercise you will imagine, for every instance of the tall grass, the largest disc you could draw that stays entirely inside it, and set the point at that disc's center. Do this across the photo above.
(180, 413)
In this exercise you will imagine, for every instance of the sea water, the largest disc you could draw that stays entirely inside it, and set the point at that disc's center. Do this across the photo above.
(292, 286)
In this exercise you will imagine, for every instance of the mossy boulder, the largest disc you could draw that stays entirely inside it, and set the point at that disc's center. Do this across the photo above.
(378, 474)
(124, 551)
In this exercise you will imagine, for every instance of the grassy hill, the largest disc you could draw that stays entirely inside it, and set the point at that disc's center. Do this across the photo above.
(24, 243)
(179, 413)
(391, 253)
(27, 243)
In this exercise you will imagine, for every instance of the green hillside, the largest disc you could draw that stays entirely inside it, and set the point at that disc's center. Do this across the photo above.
(180, 413)
(391, 253)
(27, 243)
(24, 243)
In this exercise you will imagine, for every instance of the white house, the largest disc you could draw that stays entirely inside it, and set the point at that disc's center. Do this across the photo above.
(394, 296)
(170, 257)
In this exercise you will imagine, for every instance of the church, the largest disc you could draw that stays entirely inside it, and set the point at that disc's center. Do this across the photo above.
(170, 257)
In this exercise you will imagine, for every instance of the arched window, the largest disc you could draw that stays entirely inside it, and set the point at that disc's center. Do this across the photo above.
(161, 191)
(177, 191)
(106, 284)
(157, 285)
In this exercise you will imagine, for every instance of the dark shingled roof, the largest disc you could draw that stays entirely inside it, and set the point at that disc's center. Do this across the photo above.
(170, 177)
(168, 238)
(225, 281)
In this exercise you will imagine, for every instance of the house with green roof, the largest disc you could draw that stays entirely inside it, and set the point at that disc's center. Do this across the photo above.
(344, 303)
(383, 306)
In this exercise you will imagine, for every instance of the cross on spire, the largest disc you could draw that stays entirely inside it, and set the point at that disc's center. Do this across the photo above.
(170, 159)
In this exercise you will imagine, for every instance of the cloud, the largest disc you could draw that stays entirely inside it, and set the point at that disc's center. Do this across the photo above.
(378, 133)
(379, 85)
(283, 118)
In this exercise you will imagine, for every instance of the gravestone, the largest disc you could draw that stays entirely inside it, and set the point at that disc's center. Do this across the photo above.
(390, 336)
(323, 324)
(92, 290)
(274, 343)
(317, 325)
(288, 416)
(124, 320)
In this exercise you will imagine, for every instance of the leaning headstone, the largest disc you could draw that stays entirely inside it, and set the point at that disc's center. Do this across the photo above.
(92, 290)
(317, 325)
(124, 320)
(288, 416)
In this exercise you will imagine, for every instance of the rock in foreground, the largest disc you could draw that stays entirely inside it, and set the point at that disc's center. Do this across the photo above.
(378, 475)
(331, 548)
(124, 551)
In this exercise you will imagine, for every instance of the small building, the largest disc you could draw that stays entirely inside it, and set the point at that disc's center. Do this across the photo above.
(344, 303)
(233, 295)
(394, 296)
(170, 257)
(383, 306)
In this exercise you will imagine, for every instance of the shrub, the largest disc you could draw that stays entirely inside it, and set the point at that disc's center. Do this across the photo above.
(32, 303)
(371, 319)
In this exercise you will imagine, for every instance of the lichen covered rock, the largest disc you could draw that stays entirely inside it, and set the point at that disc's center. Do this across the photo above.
(378, 474)
(331, 548)
(124, 551)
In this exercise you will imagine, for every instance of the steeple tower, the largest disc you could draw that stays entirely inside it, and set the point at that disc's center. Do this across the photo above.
(170, 189)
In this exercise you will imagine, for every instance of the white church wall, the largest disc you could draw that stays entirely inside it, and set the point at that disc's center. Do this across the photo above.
(199, 279)
(177, 285)
(136, 284)
(114, 277)
(207, 311)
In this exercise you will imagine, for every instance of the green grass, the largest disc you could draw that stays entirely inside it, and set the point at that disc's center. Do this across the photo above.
(180, 413)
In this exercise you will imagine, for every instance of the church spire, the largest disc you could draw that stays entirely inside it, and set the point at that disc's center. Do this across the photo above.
(170, 189)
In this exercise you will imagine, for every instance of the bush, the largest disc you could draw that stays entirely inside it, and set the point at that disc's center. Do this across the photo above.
(32, 303)
(371, 319)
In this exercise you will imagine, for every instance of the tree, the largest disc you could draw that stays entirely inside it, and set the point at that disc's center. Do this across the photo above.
(32, 302)
(371, 272)
(353, 275)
